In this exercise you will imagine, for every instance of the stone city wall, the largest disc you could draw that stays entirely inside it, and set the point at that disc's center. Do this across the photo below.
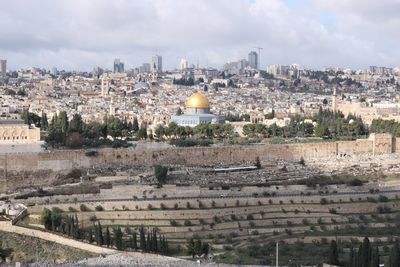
(41, 169)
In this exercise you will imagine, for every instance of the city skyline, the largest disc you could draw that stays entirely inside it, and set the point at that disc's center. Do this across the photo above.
(347, 34)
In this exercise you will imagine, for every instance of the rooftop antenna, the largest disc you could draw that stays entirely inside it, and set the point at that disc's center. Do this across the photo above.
(259, 56)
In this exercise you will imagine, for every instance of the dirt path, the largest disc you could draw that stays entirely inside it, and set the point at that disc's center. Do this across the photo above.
(7, 227)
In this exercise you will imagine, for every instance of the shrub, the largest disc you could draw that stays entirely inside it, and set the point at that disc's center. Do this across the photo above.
(384, 209)
(84, 208)
(160, 173)
(250, 217)
(91, 153)
(99, 208)
(190, 142)
(201, 205)
(356, 182)
(173, 223)
(255, 232)
(383, 198)
(187, 223)
(323, 201)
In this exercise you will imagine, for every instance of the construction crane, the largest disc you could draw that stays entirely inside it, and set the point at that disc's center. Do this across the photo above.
(259, 56)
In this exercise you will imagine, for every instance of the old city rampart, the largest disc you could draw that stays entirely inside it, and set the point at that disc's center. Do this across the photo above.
(41, 169)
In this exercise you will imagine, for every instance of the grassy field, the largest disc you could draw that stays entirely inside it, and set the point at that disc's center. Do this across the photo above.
(24, 249)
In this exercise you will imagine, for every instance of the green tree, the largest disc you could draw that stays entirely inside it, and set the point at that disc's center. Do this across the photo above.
(89, 235)
(107, 237)
(76, 124)
(44, 124)
(99, 235)
(142, 238)
(258, 163)
(375, 257)
(134, 241)
(366, 253)
(333, 254)
(190, 247)
(160, 173)
(56, 219)
(118, 238)
(135, 125)
(394, 258)
(45, 218)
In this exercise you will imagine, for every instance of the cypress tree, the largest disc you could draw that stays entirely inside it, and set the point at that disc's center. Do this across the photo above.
(394, 259)
(100, 235)
(162, 244)
(107, 238)
(71, 226)
(375, 257)
(96, 234)
(135, 126)
(366, 253)
(359, 258)
(149, 244)
(165, 245)
(76, 234)
(154, 242)
(142, 238)
(333, 254)
(134, 241)
(118, 238)
(90, 235)
(350, 261)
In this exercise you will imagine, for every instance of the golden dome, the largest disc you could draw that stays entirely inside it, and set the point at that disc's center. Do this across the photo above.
(197, 100)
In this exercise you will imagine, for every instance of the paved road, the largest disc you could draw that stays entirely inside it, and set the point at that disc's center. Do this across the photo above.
(7, 227)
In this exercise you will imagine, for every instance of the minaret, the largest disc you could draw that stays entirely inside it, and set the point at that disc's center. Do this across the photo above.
(334, 100)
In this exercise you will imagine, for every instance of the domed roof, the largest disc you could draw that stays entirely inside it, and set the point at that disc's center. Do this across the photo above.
(197, 100)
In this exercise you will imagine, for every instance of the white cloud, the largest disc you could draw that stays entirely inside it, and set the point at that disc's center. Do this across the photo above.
(80, 34)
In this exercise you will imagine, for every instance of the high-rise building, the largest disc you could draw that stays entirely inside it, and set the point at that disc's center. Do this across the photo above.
(3, 68)
(253, 60)
(156, 64)
(145, 68)
(184, 64)
(118, 65)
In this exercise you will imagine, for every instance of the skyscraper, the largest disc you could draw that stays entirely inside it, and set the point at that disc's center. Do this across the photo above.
(156, 64)
(184, 64)
(3, 68)
(253, 60)
(118, 65)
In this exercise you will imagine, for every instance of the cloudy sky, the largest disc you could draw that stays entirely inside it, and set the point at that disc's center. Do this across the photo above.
(81, 34)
